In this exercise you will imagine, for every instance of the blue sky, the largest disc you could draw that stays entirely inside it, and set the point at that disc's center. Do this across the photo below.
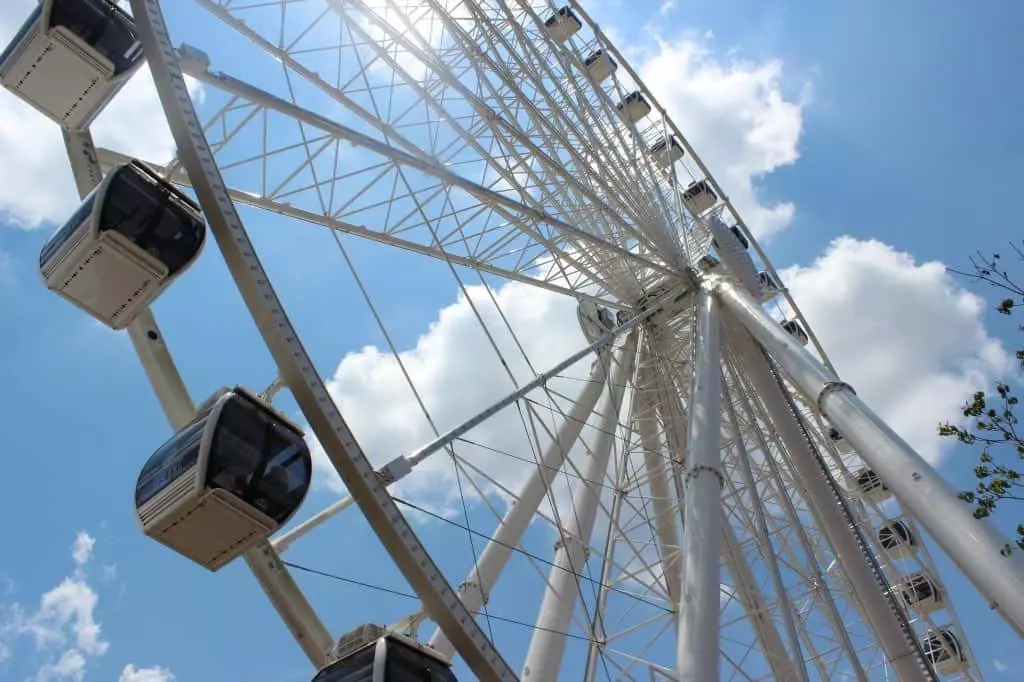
(906, 133)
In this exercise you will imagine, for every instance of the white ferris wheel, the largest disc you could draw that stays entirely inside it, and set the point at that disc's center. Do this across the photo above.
(711, 500)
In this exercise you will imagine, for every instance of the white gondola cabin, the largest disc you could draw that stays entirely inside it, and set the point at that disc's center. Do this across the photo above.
(633, 107)
(869, 485)
(731, 246)
(698, 197)
(563, 24)
(666, 151)
(896, 538)
(224, 482)
(769, 287)
(371, 654)
(943, 650)
(794, 329)
(600, 65)
(920, 592)
(125, 244)
(71, 57)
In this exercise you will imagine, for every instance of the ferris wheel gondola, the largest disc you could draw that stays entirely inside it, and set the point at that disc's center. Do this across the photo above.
(125, 244)
(224, 482)
(370, 654)
(70, 58)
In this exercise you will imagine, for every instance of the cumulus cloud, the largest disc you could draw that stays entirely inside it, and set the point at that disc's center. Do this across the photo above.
(457, 374)
(36, 187)
(81, 550)
(735, 114)
(154, 674)
(64, 626)
(903, 333)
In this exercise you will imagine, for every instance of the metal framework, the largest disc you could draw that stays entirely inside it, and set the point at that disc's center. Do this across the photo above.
(705, 522)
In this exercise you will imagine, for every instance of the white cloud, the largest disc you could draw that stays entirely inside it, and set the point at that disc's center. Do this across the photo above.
(457, 375)
(70, 666)
(36, 186)
(1000, 666)
(64, 626)
(904, 334)
(154, 674)
(737, 117)
(81, 551)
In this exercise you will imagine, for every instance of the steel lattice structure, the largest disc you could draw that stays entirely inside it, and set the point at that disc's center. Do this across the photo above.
(721, 503)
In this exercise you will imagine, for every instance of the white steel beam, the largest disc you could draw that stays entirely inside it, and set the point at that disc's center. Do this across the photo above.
(547, 645)
(890, 630)
(285, 595)
(401, 466)
(782, 664)
(109, 157)
(420, 163)
(750, 595)
(492, 561)
(663, 503)
(294, 364)
(698, 647)
(974, 545)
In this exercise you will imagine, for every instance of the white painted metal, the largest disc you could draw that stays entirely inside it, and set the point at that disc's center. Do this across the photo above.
(880, 609)
(547, 644)
(295, 366)
(784, 665)
(664, 505)
(697, 652)
(402, 466)
(492, 561)
(974, 545)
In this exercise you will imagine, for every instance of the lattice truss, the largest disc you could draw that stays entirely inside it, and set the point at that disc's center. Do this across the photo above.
(465, 132)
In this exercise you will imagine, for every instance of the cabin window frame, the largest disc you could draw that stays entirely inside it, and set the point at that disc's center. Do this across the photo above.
(253, 485)
(26, 27)
(363, 673)
(175, 253)
(82, 214)
(104, 39)
(184, 449)
(433, 670)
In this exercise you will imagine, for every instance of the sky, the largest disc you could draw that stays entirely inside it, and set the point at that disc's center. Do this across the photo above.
(850, 136)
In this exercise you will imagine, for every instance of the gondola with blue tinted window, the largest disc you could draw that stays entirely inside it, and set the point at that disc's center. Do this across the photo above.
(126, 243)
(371, 654)
(71, 57)
(226, 481)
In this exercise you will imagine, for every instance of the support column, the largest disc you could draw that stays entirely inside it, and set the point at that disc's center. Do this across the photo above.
(750, 595)
(973, 544)
(877, 610)
(697, 648)
(492, 561)
(663, 502)
(547, 646)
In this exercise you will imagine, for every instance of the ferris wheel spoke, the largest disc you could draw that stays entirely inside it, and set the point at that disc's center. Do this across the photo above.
(386, 126)
(511, 140)
(802, 565)
(420, 159)
(548, 119)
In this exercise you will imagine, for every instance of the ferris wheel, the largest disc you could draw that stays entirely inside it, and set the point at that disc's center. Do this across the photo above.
(698, 496)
